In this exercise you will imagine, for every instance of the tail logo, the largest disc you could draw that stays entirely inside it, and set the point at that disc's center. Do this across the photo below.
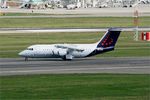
(110, 38)
(107, 41)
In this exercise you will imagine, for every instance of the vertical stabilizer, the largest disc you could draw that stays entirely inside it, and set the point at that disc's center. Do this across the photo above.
(110, 38)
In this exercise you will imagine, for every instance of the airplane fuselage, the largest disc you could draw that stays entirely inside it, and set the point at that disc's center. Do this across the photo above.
(51, 51)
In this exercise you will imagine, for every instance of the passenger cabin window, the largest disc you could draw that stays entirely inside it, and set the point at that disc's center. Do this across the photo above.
(29, 48)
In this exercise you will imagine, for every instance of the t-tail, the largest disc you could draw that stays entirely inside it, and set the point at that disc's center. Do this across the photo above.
(109, 39)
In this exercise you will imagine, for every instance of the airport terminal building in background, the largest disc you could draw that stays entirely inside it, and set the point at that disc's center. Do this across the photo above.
(63, 3)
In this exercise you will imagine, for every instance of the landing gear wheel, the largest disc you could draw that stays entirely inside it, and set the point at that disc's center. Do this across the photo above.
(26, 58)
(65, 59)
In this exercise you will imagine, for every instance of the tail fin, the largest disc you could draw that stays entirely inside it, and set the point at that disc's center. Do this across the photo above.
(110, 38)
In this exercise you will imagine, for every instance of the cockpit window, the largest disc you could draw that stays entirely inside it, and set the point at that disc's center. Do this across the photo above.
(29, 48)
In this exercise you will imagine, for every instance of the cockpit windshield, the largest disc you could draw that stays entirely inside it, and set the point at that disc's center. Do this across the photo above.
(29, 48)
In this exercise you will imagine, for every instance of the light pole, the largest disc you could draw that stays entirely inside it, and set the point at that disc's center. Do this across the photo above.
(136, 21)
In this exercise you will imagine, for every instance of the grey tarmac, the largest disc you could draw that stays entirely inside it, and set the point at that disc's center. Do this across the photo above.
(127, 65)
(44, 30)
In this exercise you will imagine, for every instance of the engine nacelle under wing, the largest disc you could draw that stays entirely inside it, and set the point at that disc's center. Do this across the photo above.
(60, 52)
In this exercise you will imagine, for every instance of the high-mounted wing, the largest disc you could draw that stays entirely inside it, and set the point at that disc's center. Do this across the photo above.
(69, 47)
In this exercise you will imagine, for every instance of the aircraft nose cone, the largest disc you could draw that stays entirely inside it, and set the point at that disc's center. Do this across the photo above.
(22, 53)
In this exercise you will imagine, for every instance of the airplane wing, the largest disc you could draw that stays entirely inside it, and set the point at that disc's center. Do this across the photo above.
(69, 47)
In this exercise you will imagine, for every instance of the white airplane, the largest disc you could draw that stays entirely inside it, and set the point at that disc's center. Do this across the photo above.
(70, 51)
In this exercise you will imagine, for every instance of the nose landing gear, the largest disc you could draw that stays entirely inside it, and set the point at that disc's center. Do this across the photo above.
(26, 59)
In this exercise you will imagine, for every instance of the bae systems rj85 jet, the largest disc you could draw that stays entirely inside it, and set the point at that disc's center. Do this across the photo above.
(70, 51)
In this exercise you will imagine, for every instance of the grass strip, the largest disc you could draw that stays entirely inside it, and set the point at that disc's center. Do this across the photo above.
(80, 22)
(75, 87)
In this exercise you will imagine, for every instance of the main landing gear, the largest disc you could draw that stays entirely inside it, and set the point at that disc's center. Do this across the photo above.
(66, 59)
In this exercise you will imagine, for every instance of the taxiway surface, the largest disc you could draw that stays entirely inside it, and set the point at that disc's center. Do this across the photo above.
(44, 30)
(17, 66)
